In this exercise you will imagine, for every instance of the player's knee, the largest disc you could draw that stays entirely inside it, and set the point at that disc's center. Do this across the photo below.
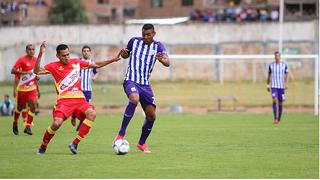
(20, 108)
(151, 116)
(32, 108)
(56, 124)
(91, 115)
(134, 98)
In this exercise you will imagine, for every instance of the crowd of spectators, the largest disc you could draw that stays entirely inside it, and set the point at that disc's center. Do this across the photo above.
(15, 6)
(235, 14)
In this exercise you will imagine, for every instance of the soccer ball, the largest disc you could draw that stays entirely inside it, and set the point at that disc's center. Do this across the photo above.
(121, 146)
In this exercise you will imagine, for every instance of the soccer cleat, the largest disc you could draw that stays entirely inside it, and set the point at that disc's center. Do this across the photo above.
(41, 151)
(118, 137)
(73, 121)
(276, 121)
(27, 131)
(73, 148)
(144, 148)
(15, 130)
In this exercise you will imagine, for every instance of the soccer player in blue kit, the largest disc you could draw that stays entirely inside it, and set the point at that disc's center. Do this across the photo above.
(87, 76)
(278, 76)
(143, 52)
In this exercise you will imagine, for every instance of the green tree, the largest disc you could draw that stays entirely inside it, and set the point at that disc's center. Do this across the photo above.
(68, 12)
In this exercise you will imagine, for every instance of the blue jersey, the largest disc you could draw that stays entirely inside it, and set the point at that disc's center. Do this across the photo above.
(142, 59)
(86, 76)
(278, 72)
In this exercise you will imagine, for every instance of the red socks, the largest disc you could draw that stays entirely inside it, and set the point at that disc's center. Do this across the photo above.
(83, 130)
(47, 137)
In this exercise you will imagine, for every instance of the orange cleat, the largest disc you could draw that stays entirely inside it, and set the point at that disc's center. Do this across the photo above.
(144, 148)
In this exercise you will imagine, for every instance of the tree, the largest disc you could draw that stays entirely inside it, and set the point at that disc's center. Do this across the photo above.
(68, 12)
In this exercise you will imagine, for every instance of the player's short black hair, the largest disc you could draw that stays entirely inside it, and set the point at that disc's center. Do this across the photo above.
(61, 47)
(148, 26)
(86, 46)
(28, 46)
(6, 95)
(277, 52)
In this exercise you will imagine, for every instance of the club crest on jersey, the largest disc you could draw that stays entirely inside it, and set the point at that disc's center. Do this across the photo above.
(74, 65)
(60, 68)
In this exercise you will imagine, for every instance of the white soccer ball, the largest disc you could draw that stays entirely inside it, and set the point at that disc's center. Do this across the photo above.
(121, 146)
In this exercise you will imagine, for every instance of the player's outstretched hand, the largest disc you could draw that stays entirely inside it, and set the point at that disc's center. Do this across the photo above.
(117, 58)
(43, 46)
(124, 53)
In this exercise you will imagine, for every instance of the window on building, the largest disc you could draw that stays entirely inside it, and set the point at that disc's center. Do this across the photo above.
(113, 13)
(187, 2)
(129, 12)
(156, 3)
(103, 1)
(309, 9)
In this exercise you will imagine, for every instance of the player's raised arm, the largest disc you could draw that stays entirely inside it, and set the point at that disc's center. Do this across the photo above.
(37, 69)
(100, 64)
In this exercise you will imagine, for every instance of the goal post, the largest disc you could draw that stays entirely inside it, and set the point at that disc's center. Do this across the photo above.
(255, 58)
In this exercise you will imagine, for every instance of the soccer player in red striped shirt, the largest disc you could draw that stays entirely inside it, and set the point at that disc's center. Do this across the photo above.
(26, 89)
(66, 74)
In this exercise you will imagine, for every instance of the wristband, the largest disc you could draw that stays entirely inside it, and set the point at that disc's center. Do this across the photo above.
(40, 55)
(268, 85)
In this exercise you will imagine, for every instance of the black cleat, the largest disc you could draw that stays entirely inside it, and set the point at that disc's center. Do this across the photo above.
(73, 148)
(27, 131)
(41, 151)
(15, 130)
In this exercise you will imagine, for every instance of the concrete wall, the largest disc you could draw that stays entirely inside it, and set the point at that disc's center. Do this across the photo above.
(106, 41)
(169, 34)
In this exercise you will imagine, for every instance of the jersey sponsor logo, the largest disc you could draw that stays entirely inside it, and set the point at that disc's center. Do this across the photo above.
(70, 79)
(27, 78)
(28, 64)
(60, 68)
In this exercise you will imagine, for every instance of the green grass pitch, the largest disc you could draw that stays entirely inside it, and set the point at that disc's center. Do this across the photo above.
(214, 145)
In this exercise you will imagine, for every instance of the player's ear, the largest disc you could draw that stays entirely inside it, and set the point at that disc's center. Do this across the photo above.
(57, 55)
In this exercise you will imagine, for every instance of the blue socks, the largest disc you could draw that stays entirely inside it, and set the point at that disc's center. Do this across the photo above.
(128, 114)
(280, 112)
(274, 107)
(146, 130)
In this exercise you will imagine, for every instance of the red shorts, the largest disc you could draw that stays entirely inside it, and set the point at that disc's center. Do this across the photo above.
(24, 96)
(65, 107)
